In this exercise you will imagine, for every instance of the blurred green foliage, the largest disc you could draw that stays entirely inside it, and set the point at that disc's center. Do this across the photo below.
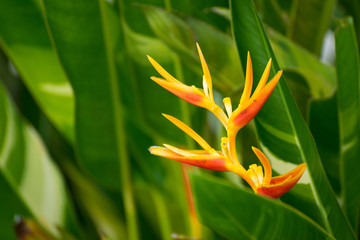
(78, 112)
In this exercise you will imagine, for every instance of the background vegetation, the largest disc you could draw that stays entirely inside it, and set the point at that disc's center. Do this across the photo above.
(78, 112)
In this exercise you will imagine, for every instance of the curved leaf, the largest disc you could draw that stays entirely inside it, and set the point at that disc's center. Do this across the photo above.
(86, 35)
(24, 39)
(84, 52)
(348, 73)
(30, 183)
(236, 213)
(284, 136)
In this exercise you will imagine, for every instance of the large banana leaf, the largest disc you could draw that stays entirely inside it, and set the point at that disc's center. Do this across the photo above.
(103, 76)
(30, 183)
(282, 131)
(236, 213)
(24, 39)
(84, 43)
(348, 73)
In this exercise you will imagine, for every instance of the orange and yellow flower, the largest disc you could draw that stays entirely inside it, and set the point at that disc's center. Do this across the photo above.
(260, 181)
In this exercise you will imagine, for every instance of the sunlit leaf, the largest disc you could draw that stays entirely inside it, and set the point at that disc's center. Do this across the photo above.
(102, 211)
(30, 183)
(24, 39)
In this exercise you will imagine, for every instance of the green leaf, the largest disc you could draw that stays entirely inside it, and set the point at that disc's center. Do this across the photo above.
(282, 131)
(87, 37)
(353, 8)
(348, 73)
(319, 77)
(309, 21)
(142, 45)
(24, 39)
(85, 52)
(274, 16)
(30, 183)
(324, 125)
(236, 213)
(103, 212)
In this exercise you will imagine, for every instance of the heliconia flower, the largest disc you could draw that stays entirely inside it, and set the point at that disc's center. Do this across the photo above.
(265, 184)
(260, 181)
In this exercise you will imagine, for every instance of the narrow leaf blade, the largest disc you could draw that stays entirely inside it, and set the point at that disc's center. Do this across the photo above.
(348, 73)
(284, 136)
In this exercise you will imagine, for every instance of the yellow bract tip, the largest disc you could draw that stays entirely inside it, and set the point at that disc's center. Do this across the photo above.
(162, 71)
(248, 81)
(263, 78)
(228, 106)
(207, 76)
(266, 164)
(189, 132)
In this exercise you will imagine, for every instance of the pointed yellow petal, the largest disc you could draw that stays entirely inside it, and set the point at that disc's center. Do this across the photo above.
(253, 176)
(228, 106)
(162, 71)
(179, 151)
(189, 132)
(269, 87)
(264, 78)
(206, 71)
(266, 164)
(212, 162)
(162, 152)
(248, 81)
(190, 94)
(259, 172)
(204, 152)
